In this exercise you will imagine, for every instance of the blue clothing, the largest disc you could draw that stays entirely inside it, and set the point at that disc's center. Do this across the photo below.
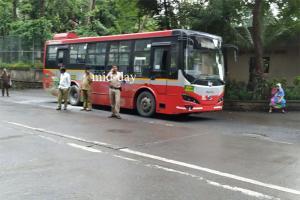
(278, 101)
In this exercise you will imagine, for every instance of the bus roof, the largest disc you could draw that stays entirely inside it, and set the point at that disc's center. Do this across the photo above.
(67, 38)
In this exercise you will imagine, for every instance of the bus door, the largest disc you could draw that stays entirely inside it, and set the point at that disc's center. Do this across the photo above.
(160, 63)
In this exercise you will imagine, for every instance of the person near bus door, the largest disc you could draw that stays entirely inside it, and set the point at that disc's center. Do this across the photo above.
(115, 79)
(86, 88)
(63, 88)
(5, 82)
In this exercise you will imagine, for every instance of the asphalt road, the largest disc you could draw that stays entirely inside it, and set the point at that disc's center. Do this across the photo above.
(49, 154)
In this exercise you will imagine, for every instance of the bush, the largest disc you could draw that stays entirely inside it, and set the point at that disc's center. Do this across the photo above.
(238, 90)
(297, 81)
(22, 65)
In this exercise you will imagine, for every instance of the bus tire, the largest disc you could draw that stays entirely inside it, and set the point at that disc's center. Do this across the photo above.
(74, 95)
(146, 104)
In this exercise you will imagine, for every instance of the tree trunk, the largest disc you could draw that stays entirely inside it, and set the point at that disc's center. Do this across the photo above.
(42, 8)
(93, 4)
(166, 6)
(15, 5)
(142, 23)
(256, 73)
(91, 8)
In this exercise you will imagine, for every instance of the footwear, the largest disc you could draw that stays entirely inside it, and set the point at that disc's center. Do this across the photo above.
(58, 108)
(112, 116)
(65, 108)
(118, 117)
(82, 109)
(88, 110)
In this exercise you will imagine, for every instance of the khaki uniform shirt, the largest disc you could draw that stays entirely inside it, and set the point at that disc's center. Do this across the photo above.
(87, 82)
(115, 79)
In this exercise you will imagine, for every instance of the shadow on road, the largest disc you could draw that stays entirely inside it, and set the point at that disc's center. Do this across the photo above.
(174, 118)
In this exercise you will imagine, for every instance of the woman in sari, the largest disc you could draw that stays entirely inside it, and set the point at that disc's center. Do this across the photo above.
(277, 100)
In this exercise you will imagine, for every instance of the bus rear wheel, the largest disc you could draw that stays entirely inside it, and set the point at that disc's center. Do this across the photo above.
(74, 95)
(145, 104)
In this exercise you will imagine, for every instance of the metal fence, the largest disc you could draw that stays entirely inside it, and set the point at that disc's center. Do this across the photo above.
(17, 49)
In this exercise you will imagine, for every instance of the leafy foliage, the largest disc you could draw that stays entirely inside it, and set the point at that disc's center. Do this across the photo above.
(238, 90)
(231, 19)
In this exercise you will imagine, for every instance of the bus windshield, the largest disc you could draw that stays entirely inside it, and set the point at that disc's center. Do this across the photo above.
(203, 60)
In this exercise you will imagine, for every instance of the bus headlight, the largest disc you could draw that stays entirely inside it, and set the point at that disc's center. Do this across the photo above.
(190, 99)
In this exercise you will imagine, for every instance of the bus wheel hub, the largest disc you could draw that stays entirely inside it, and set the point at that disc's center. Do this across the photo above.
(146, 103)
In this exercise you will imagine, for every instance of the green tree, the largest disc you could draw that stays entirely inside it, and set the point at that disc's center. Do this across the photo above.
(5, 17)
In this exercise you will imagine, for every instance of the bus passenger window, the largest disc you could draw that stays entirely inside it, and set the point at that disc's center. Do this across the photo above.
(161, 59)
(60, 57)
(51, 56)
(96, 54)
(142, 58)
(77, 53)
(119, 54)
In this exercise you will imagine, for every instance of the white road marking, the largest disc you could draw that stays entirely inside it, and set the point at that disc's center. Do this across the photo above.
(50, 139)
(63, 135)
(125, 158)
(85, 148)
(212, 171)
(179, 163)
(216, 184)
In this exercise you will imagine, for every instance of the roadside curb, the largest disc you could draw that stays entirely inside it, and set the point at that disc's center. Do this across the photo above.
(235, 105)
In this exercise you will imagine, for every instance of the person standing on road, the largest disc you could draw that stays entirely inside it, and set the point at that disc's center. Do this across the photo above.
(63, 88)
(115, 78)
(5, 82)
(86, 88)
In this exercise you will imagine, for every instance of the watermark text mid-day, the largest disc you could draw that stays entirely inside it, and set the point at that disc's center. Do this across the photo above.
(129, 78)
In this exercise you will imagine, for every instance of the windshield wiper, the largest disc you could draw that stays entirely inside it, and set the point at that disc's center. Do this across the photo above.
(207, 77)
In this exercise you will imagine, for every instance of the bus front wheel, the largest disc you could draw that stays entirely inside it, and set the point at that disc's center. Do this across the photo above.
(74, 96)
(146, 104)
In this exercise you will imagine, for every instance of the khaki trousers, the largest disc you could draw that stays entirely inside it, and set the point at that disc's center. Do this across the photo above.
(63, 94)
(115, 98)
(86, 95)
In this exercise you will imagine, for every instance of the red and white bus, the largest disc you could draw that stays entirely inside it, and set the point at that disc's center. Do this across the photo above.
(176, 71)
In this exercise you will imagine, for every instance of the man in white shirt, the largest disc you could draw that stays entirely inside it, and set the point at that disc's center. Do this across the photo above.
(63, 88)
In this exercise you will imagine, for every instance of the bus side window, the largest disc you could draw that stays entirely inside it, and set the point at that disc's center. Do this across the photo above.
(119, 54)
(173, 71)
(161, 60)
(141, 59)
(62, 57)
(51, 56)
(78, 53)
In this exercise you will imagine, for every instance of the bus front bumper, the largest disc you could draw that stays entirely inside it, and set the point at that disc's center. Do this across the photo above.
(196, 109)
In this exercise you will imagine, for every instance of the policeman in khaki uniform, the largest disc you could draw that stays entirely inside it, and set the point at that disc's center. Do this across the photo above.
(86, 88)
(63, 88)
(115, 78)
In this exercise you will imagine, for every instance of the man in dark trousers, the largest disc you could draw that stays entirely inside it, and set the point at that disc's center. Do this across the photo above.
(5, 82)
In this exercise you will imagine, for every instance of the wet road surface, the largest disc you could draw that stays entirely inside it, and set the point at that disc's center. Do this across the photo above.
(49, 154)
